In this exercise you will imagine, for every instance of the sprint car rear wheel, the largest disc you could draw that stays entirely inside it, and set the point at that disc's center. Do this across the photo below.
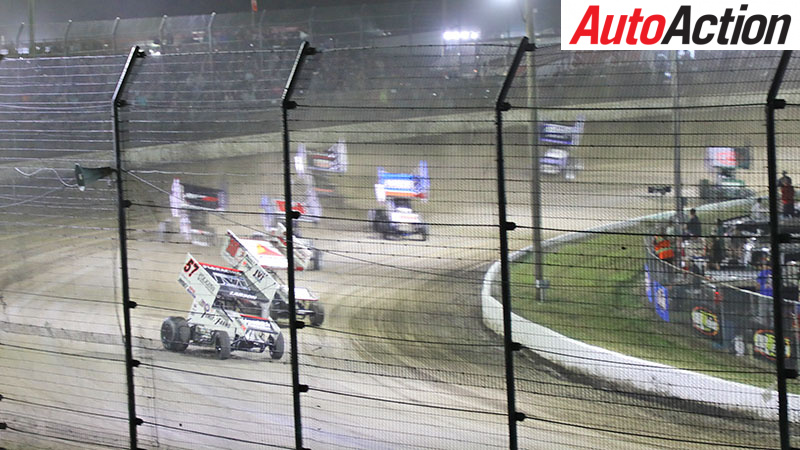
(316, 260)
(704, 189)
(381, 223)
(276, 351)
(423, 233)
(319, 314)
(371, 219)
(222, 344)
(175, 334)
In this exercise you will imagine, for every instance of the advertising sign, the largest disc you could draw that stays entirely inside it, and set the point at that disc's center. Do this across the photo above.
(764, 345)
(705, 321)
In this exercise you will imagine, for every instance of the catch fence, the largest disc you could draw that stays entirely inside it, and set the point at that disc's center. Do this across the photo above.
(292, 249)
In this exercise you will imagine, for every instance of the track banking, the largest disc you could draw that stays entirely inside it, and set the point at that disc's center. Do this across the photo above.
(726, 29)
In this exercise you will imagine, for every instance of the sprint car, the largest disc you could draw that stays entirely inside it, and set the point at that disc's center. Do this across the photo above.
(394, 191)
(213, 320)
(190, 207)
(272, 299)
(398, 219)
(321, 167)
(559, 162)
(270, 247)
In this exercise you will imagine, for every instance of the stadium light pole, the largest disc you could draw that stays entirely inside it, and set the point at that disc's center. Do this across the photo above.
(676, 131)
(533, 142)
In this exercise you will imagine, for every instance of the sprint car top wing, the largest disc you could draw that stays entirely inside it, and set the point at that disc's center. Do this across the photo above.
(199, 284)
(235, 253)
(412, 185)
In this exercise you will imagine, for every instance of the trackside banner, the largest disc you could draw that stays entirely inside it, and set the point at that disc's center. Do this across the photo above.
(680, 25)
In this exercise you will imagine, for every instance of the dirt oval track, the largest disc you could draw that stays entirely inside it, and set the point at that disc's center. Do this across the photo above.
(402, 360)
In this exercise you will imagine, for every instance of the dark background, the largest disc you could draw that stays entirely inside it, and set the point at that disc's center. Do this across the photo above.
(12, 12)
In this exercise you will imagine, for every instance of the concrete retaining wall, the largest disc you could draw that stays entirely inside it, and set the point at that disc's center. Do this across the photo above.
(622, 369)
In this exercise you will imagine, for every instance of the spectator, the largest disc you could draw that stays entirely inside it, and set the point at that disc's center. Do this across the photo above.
(764, 279)
(698, 272)
(694, 228)
(663, 248)
(737, 241)
(787, 196)
(783, 178)
(758, 213)
(716, 252)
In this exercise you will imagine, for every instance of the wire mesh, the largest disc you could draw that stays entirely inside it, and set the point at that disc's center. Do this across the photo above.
(679, 345)
(405, 225)
(787, 156)
(61, 355)
(392, 167)
(201, 147)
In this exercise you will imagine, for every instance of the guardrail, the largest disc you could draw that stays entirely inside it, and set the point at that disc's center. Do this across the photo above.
(624, 370)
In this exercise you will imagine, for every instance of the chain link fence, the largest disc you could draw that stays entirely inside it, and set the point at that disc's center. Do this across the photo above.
(382, 328)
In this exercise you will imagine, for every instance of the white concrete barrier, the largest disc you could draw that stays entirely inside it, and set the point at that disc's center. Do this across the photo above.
(638, 374)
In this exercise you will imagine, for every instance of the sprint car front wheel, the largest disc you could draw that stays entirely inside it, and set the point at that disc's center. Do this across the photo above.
(319, 314)
(222, 344)
(175, 334)
(276, 351)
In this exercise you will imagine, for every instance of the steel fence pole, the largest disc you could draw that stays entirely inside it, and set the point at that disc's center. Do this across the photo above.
(122, 204)
(290, 216)
(776, 238)
(509, 345)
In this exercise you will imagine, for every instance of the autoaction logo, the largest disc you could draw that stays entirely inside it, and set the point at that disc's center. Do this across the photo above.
(685, 25)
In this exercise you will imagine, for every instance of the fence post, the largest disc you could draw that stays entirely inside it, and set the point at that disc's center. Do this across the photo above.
(361, 26)
(411, 9)
(19, 34)
(208, 32)
(774, 103)
(311, 23)
(66, 38)
(31, 36)
(508, 344)
(261, 30)
(127, 304)
(161, 36)
(114, 35)
(290, 216)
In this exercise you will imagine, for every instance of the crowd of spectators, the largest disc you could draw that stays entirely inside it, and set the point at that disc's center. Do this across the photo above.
(740, 244)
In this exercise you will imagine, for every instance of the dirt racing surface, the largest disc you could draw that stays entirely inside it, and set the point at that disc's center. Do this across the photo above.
(402, 359)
